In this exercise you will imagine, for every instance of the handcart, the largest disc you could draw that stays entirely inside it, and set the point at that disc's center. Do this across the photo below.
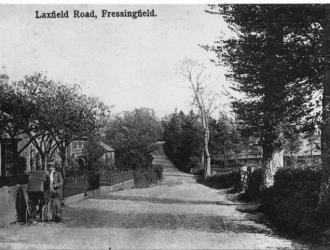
(39, 207)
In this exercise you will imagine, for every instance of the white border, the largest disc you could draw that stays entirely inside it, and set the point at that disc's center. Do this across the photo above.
(162, 2)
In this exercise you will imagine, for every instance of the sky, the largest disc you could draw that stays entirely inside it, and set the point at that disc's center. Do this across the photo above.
(128, 63)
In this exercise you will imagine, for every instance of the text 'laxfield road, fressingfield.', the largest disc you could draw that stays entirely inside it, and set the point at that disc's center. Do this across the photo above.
(92, 14)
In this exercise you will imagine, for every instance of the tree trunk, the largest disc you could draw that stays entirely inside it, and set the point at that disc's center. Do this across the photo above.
(202, 159)
(43, 161)
(325, 128)
(271, 162)
(225, 156)
(207, 167)
(63, 160)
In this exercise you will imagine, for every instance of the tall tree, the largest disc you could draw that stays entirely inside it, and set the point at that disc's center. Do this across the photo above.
(194, 73)
(17, 113)
(73, 115)
(183, 134)
(272, 60)
(325, 127)
(133, 134)
(221, 138)
(38, 91)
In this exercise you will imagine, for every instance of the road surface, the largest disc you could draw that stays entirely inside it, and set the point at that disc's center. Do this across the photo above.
(177, 213)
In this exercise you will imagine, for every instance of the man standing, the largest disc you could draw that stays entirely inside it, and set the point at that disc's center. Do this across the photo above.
(56, 183)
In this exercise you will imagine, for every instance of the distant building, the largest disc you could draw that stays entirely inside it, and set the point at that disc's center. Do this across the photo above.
(109, 154)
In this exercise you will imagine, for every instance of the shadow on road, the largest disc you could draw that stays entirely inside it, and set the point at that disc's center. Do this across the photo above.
(164, 200)
(90, 218)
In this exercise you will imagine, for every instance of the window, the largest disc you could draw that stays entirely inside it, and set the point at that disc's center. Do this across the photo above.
(80, 144)
(8, 160)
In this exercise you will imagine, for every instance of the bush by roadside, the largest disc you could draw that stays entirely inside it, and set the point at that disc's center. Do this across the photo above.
(293, 200)
(145, 176)
(224, 180)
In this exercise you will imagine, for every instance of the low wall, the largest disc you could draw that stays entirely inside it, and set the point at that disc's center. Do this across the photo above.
(8, 196)
(111, 178)
(120, 186)
(103, 189)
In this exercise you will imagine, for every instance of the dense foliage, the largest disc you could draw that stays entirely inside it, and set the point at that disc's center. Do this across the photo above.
(184, 142)
(275, 60)
(183, 137)
(224, 180)
(146, 177)
(133, 135)
(292, 203)
(51, 114)
(226, 141)
(92, 153)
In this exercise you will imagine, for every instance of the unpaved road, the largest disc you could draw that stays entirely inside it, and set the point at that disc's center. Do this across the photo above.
(177, 213)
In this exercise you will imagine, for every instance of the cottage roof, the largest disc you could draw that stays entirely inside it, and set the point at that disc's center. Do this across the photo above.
(106, 146)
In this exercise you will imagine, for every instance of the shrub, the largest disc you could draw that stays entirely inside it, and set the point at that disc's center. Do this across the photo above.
(195, 162)
(93, 180)
(224, 180)
(292, 202)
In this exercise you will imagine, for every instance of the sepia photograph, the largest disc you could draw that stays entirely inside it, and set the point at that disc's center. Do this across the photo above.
(165, 126)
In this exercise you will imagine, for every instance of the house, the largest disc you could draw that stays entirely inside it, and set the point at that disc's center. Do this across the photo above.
(75, 150)
(109, 155)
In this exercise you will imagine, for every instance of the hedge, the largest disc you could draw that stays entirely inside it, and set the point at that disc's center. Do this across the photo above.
(224, 180)
(144, 177)
(293, 200)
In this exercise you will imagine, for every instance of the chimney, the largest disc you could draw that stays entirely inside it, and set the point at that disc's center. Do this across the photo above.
(4, 79)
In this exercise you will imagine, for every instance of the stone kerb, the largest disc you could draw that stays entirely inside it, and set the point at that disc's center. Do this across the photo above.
(111, 181)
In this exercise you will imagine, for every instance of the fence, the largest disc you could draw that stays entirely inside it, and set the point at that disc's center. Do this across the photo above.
(80, 182)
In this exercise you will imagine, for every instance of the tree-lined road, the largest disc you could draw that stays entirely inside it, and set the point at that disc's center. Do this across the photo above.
(177, 213)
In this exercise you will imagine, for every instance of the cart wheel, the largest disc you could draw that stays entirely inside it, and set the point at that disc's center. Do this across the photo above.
(27, 216)
(44, 213)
